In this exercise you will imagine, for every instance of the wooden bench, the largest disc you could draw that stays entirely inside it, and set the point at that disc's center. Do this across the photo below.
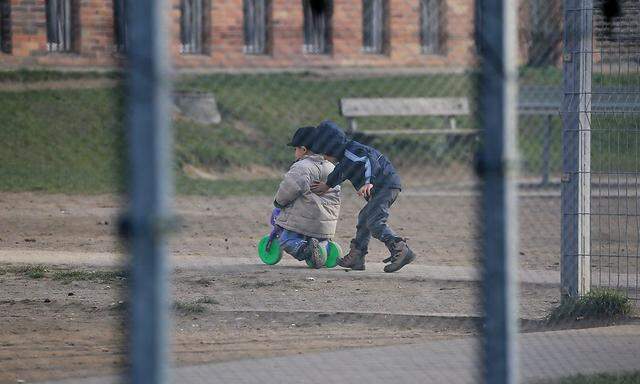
(446, 107)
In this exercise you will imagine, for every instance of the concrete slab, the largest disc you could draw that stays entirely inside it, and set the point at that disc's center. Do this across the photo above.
(544, 355)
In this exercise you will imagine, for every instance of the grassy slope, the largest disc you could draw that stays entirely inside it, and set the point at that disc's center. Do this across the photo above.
(624, 378)
(71, 140)
(61, 141)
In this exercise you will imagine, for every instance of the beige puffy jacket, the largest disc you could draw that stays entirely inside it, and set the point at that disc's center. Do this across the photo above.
(305, 212)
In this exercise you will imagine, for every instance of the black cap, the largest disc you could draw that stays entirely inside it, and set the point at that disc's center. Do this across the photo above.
(303, 137)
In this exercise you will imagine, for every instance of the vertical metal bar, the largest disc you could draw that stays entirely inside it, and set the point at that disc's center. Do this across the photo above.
(498, 166)
(198, 16)
(576, 156)
(546, 151)
(150, 189)
(66, 44)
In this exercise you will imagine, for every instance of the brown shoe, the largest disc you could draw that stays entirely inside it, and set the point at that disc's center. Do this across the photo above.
(401, 255)
(314, 256)
(354, 259)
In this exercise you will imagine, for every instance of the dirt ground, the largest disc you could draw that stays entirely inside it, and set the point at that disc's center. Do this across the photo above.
(58, 325)
(443, 230)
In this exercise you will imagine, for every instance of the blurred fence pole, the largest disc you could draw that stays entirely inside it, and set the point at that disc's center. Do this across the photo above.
(497, 167)
(576, 147)
(150, 188)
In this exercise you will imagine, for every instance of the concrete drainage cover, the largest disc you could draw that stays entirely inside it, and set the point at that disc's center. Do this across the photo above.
(200, 107)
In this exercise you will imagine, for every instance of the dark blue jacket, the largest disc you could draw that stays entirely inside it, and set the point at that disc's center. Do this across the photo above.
(357, 162)
(362, 165)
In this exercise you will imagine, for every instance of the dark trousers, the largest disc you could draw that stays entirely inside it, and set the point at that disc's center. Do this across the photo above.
(372, 219)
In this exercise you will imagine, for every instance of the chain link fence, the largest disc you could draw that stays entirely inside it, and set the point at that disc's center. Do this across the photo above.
(614, 116)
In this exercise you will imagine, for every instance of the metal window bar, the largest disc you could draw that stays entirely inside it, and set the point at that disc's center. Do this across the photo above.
(120, 25)
(317, 21)
(59, 25)
(5, 26)
(373, 21)
(191, 24)
(430, 25)
(255, 26)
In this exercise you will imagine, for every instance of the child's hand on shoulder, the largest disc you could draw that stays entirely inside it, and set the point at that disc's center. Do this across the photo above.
(319, 188)
(365, 191)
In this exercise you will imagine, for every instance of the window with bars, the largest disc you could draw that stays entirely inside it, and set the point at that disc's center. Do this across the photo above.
(60, 25)
(256, 25)
(120, 25)
(193, 26)
(5, 26)
(374, 21)
(477, 24)
(317, 26)
(431, 26)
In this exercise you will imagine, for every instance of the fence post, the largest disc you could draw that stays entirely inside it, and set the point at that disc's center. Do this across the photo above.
(150, 188)
(576, 148)
(497, 167)
(546, 151)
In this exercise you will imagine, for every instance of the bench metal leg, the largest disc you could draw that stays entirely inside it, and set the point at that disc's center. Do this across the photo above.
(353, 125)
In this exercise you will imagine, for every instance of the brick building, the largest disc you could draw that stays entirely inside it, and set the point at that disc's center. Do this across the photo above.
(246, 33)
(291, 33)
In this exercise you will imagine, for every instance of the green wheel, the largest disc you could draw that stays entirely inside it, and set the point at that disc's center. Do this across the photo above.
(323, 251)
(275, 253)
(335, 252)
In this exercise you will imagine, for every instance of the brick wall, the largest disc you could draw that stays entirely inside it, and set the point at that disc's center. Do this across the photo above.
(224, 45)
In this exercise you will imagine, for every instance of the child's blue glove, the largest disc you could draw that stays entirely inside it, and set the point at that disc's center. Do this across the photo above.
(274, 214)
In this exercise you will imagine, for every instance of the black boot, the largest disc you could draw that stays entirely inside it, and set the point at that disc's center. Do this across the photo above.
(354, 259)
(401, 255)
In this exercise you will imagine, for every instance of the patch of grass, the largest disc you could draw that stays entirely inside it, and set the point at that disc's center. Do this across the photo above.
(37, 75)
(188, 186)
(257, 284)
(69, 141)
(190, 307)
(67, 277)
(30, 271)
(36, 273)
(204, 281)
(623, 378)
(598, 304)
(540, 75)
(206, 300)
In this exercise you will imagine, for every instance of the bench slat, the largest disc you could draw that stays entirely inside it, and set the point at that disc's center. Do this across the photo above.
(435, 106)
(457, 132)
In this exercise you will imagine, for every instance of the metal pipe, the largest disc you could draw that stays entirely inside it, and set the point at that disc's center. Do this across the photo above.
(498, 167)
(150, 188)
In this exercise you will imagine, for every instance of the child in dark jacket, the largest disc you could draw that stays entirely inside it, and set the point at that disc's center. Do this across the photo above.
(375, 178)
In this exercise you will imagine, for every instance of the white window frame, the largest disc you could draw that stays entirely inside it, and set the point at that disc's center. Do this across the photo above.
(192, 27)
(59, 21)
(431, 26)
(255, 26)
(374, 12)
(120, 29)
(317, 28)
(5, 30)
